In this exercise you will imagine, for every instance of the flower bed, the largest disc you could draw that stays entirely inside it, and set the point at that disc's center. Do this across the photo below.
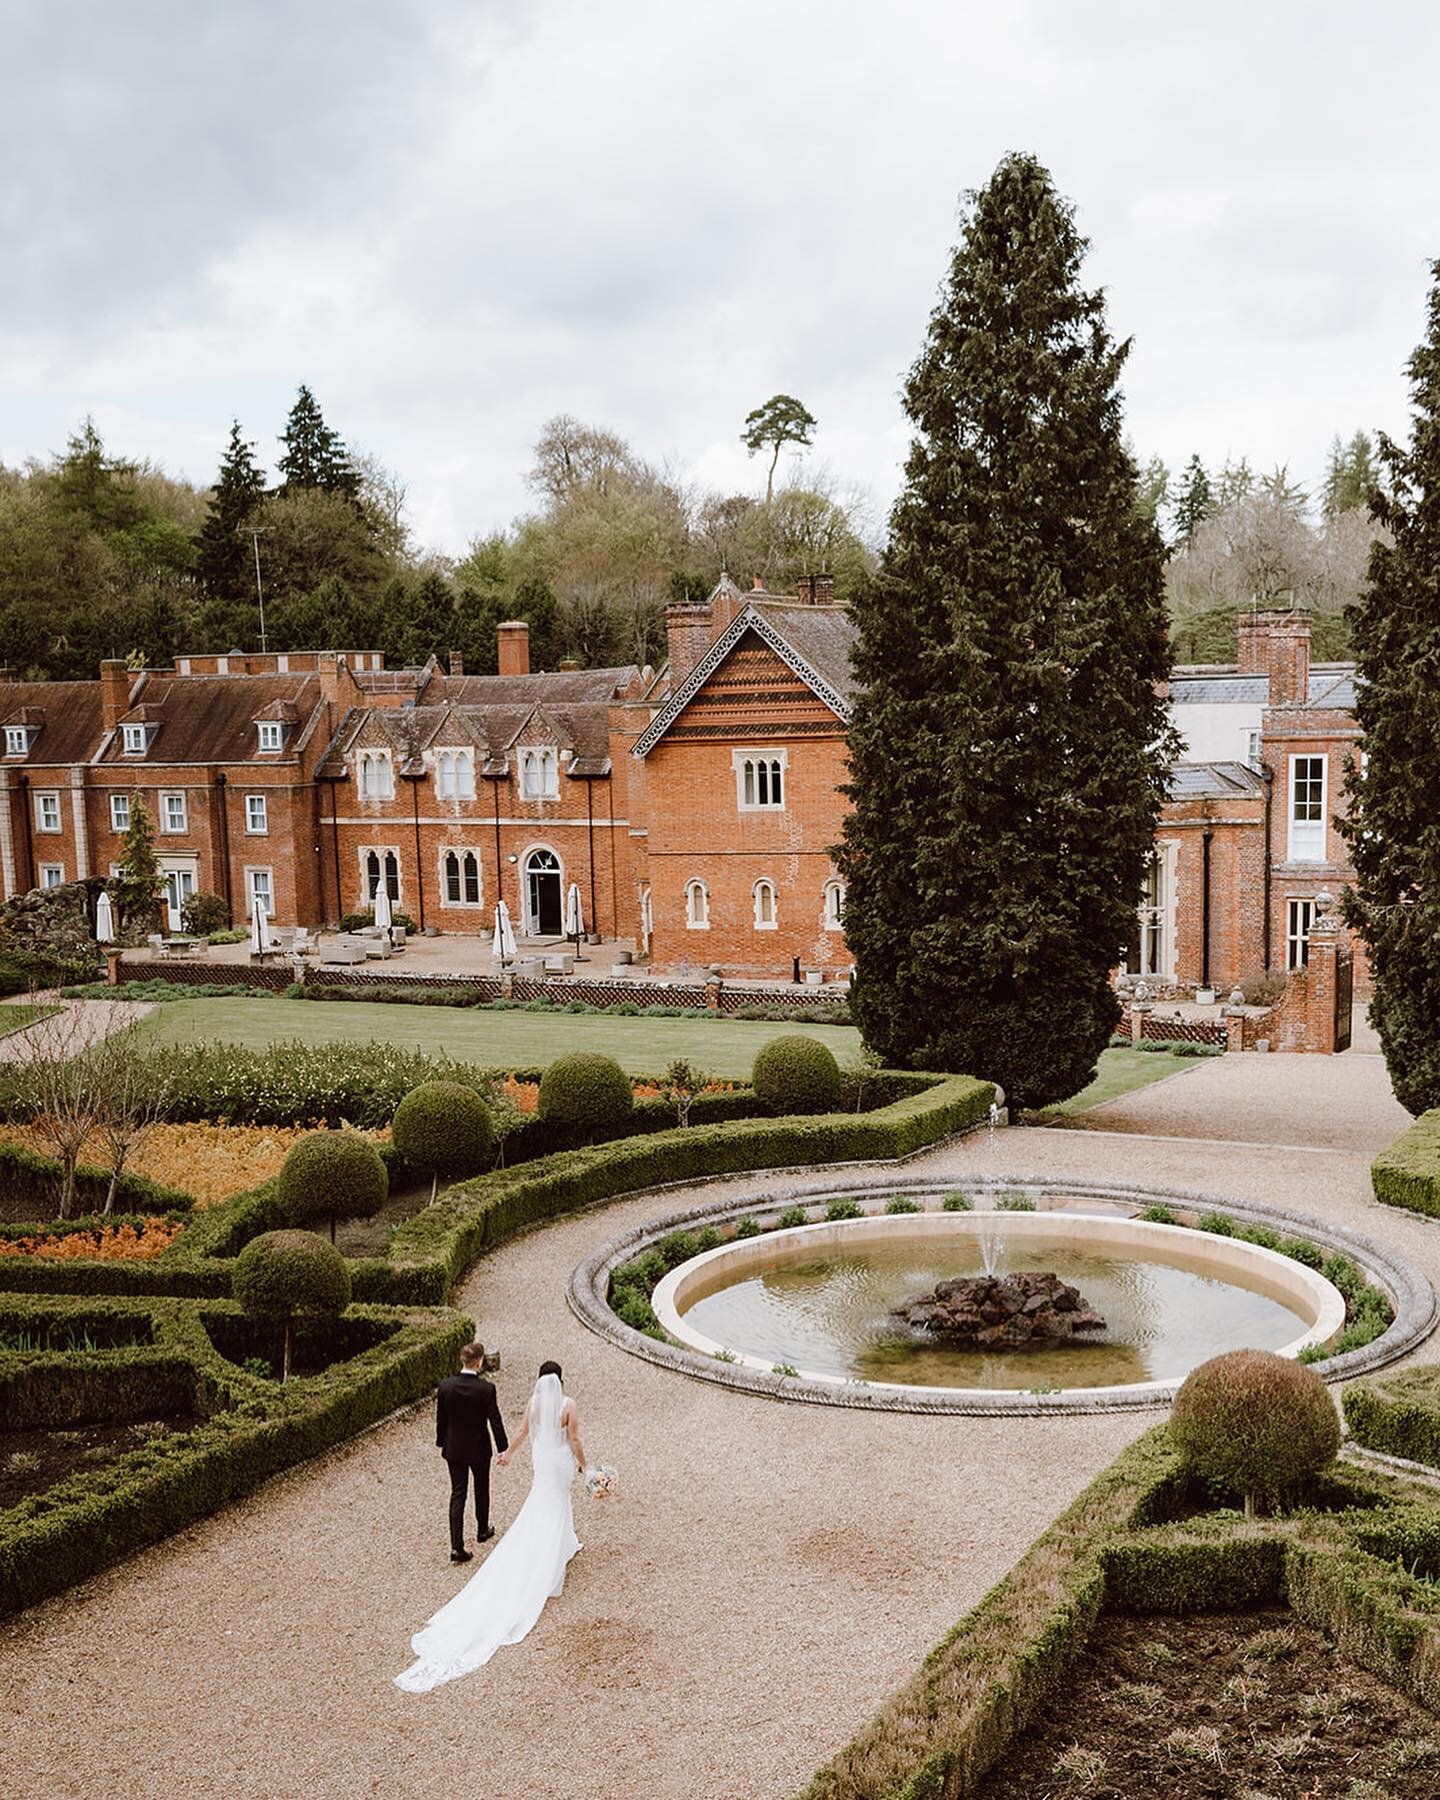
(1141, 1541)
(118, 1240)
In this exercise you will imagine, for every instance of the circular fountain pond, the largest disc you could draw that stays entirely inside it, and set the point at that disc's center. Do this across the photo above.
(820, 1302)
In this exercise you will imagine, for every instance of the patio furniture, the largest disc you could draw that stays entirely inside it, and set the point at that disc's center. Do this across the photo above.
(342, 953)
(156, 942)
(559, 965)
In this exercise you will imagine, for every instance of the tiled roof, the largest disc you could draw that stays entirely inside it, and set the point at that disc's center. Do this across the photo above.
(72, 726)
(1329, 686)
(823, 635)
(1213, 781)
(211, 718)
(557, 687)
(491, 730)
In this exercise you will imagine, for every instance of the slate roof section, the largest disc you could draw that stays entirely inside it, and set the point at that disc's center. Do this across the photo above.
(1214, 781)
(823, 635)
(211, 718)
(72, 727)
(490, 730)
(1333, 687)
(554, 687)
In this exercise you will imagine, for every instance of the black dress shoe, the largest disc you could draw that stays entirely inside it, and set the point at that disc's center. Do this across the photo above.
(458, 1556)
(485, 1536)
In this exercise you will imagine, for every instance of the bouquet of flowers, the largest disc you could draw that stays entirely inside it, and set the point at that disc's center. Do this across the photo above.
(599, 1481)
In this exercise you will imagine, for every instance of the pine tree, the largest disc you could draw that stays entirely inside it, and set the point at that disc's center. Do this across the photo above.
(1350, 475)
(1391, 825)
(137, 885)
(1008, 750)
(225, 563)
(315, 456)
(1195, 501)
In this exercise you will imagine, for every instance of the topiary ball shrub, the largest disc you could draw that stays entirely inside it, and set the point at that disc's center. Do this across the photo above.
(587, 1090)
(796, 1075)
(332, 1175)
(1256, 1423)
(444, 1127)
(282, 1275)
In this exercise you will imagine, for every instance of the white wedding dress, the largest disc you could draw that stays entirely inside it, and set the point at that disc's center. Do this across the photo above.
(507, 1594)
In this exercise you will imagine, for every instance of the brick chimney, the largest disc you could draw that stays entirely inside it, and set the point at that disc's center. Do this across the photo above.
(114, 692)
(1277, 645)
(329, 667)
(457, 663)
(687, 636)
(816, 590)
(512, 640)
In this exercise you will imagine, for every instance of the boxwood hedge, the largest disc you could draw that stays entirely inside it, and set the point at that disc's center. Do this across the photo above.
(1407, 1173)
(1139, 1541)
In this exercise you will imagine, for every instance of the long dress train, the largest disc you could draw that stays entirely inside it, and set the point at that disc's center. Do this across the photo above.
(506, 1595)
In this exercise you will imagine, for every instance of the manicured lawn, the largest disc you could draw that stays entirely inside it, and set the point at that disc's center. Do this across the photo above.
(501, 1039)
(1122, 1070)
(16, 1017)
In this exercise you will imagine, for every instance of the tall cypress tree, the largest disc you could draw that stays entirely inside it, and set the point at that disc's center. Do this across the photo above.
(1009, 747)
(224, 563)
(1393, 822)
(315, 456)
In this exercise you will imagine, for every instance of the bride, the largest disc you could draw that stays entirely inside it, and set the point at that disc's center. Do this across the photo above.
(507, 1594)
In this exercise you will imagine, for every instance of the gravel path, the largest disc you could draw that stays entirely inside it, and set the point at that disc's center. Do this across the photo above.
(95, 1019)
(765, 1575)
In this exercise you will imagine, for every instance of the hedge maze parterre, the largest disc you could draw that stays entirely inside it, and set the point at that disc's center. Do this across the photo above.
(84, 1339)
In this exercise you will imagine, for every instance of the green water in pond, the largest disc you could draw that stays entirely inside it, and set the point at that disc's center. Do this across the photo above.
(829, 1315)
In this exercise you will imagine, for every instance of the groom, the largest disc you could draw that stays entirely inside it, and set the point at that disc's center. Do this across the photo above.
(466, 1413)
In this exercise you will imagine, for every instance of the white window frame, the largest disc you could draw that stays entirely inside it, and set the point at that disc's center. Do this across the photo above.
(17, 740)
(697, 906)
(120, 812)
(369, 766)
(258, 877)
(47, 811)
(1252, 748)
(134, 739)
(271, 735)
(257, 815)
(460, 852)
(1306, 842)
(1299, 923)
(756, 773)
(49, 870)
(547, 761)
(834, 904)
(455, 774)
(381, 851)
(167, 820)
(762, 887)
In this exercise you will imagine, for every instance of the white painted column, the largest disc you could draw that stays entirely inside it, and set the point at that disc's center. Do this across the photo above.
(77, 808)
(7, 848)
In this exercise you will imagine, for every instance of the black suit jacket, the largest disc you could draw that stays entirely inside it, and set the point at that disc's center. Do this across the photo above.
(466, 1413)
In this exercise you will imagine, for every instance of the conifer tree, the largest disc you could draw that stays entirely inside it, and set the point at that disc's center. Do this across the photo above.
(1194, 502)
(137, 885)
(315, 456)
(224, 564)
(1391, 825)
(1008, 748)
(1350, 475)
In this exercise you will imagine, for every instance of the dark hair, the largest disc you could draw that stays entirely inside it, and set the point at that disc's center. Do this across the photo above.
(473, 1355)
(550, 1368)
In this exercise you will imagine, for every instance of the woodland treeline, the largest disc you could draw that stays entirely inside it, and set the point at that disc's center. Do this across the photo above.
(100, 556)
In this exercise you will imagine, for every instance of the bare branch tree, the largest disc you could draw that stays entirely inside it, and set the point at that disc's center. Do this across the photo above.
(135, 1091)
(56, 1090)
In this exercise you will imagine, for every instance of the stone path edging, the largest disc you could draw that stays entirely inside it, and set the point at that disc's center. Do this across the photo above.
(1414, 1299)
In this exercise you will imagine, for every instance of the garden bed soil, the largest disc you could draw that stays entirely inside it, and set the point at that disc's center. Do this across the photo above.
(31, 1461)
(371, 1237)
(1247, 1706)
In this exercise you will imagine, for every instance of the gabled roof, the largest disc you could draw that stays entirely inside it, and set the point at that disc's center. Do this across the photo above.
(812, 641)
(211, 718)
(70, 727)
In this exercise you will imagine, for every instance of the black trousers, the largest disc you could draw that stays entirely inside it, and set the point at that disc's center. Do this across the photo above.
(461, 1471)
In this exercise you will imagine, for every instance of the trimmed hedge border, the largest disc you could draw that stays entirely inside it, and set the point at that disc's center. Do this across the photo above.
(1409, 1291)
(1119, 1548)
(1398, 1414)
(249, 1428)
(1407, 1172)
(28, 1172)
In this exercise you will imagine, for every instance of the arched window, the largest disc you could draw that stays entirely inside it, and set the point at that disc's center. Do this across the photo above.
(697, 906)
(378, 862)
(764, 905)
(539, 774)
(760, 780)
(460, 878)
(455, 775)
(834, 905)
(377, 781)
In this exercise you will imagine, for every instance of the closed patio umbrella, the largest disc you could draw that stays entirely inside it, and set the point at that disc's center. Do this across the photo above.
(575, 918)
(259, 934)
(503, 942)
(384, 916)
(104, 919)
(647, 921)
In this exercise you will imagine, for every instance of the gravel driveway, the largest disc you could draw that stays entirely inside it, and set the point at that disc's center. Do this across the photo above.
(765, 1574)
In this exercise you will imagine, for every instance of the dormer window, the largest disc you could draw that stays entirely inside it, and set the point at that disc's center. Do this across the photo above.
(539, 775)
(455, 775)
(272, 734)
(17, 740)
(134, 738)
(377, 780)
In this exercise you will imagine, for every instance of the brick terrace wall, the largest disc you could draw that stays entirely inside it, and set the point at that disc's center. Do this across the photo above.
(1187, 1031)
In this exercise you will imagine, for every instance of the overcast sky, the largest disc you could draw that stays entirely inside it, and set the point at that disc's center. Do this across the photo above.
(453, 218)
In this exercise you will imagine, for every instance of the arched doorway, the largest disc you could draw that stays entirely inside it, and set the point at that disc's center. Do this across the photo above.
(542, 894)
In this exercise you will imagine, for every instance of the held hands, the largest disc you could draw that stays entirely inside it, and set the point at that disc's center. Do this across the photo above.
(502, 1459)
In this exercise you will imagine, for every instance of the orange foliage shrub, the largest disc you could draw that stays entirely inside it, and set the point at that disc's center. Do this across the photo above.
(108, 1243)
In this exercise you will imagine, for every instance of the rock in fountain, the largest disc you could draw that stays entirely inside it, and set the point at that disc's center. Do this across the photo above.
(1024, 1308)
